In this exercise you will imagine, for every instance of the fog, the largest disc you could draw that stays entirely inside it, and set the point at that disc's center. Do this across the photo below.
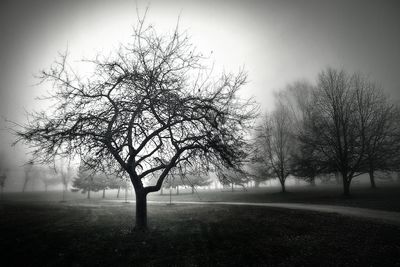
(276, 42)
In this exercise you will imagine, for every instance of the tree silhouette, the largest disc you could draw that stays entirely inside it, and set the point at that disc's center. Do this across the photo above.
(381, 142)
(343, 123)
(4, 169)
(3, 178)
(147, 108)
(276, 143)
(28, 168)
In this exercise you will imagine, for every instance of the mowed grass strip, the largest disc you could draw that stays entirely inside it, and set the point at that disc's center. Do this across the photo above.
(185, 235)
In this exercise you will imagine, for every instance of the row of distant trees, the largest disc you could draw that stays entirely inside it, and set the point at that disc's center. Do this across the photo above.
(344, 124)
(47, 175)
(87, 181)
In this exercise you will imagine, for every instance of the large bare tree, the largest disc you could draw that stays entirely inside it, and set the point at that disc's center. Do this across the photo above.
(145, 109)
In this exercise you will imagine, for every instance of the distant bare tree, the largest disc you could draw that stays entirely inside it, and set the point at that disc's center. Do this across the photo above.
(276, 142)
(232, 177)
(65, 174)
(258, 172)
(28, 168)
(3, 178)
(3, 172)
(147, 108)
(49, 177)
(381, 144)
(340, 120)
(117, 181)
(194, 176)
(305, 162)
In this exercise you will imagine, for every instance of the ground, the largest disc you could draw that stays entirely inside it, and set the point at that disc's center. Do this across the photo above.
(83, 232)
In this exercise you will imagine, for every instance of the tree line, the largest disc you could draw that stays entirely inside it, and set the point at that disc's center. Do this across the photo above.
(343, 124)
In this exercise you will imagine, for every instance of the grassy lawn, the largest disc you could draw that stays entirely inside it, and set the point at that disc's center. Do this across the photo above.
(55, 234)
(382, 198)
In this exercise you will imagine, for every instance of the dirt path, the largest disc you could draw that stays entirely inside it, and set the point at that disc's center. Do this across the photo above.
(390, 217)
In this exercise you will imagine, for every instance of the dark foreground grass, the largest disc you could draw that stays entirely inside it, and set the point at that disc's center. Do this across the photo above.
(181, 235)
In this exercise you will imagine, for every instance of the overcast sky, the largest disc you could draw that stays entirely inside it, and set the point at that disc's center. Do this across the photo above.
(277, 41)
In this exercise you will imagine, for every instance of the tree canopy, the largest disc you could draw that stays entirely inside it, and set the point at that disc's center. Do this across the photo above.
(146, 108)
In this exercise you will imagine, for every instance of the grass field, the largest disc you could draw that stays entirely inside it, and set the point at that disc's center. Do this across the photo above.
(382, 198)
(39, 230)
(95, 234)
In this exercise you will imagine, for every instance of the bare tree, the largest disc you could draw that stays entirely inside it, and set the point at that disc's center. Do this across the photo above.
(275, 143)
(28, 168)
(3, 178)
(49, 177)
(305, 159)
(195, 175)
(65, 174)
(381, 144)
(4, 169)
(258, 172)
(118, 182)
(147, 108)
(232, 177)
(338, 124)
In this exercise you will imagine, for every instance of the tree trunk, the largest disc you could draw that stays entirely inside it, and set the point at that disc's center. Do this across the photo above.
(192, 189)
(312, 181)
(2, 191)
(282, 181)
(346, 186)
(88, 194)
(283, 187)
(372, 178)
(63, 195)
(177, 190)
(119, 189)
(256, 184)
(24, 187)
(161, 191)
(141, 210)
(104, 193)
(232, 187)
(126, 193)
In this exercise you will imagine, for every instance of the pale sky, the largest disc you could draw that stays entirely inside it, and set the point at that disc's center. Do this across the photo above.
(276, 41)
